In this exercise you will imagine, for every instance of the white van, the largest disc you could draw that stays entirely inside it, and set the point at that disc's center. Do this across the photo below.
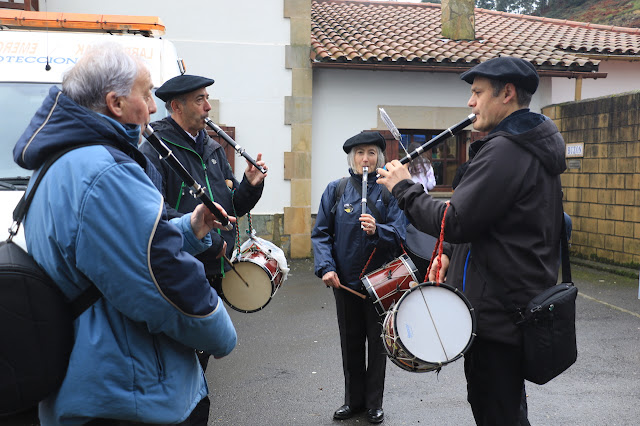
(36, 48)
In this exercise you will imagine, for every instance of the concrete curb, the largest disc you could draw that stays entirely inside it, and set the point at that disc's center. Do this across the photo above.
(614, 269)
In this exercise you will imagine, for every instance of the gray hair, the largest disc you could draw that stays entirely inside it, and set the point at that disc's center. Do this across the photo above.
(104, 68)
(182, 99)
(351, 158)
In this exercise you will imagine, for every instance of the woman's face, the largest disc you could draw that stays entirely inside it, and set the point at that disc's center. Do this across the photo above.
(365, 155)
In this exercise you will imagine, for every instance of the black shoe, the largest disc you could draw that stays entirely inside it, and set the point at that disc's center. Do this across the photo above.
(375, 415)
(346, 412)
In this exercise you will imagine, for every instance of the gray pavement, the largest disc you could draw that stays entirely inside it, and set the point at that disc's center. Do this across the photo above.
(286, 369)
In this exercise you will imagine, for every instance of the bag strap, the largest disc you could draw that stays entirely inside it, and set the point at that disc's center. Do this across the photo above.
(20, 211)
(91, 294)
(339, 191)
(564, 248)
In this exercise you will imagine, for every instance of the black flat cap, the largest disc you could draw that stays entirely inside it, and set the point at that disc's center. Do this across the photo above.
(180, 85)
(365, 138)
(507, 69)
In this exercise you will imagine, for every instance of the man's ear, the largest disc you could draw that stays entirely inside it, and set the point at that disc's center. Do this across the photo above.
(114, 104)
(510, 94)
(176, 106)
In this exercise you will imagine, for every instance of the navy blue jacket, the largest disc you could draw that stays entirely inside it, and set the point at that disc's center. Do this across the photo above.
(339, 244)
(212, 171)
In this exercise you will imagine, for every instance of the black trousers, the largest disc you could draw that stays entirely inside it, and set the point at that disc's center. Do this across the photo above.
(495, 383)
(200, 415)
(363, 355)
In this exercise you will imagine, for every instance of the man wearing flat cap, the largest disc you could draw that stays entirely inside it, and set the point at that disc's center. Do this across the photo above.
(508, 206)
(184, 133)
(348, 244)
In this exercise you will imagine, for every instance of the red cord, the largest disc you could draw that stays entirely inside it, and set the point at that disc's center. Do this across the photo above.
(438, 249)
(367, 264)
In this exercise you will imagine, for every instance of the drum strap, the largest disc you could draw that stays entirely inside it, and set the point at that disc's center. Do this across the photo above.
(437, 250)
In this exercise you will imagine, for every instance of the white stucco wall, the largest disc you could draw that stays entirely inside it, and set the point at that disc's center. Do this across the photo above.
(621, 77)
(242, 47)
(346, 102)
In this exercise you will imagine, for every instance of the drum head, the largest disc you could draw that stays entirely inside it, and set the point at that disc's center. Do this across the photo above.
(434, 323)
(245, 298)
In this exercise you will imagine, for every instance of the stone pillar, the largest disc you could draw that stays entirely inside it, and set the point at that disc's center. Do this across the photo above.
(458, 21)
(297, 162)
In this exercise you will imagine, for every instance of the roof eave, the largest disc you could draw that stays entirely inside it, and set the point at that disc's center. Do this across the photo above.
(445, 69)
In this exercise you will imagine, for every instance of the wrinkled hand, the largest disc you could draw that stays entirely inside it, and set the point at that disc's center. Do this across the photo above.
(443, 270)
(368, 223)
(203, 221)
(255, 176)
(394, 173)
(331, 279)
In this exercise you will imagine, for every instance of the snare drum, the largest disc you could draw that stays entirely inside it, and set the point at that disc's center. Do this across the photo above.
(261, 272)
(431, 325)
(387, 284)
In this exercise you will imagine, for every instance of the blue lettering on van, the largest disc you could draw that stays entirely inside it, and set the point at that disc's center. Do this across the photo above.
(10, 59)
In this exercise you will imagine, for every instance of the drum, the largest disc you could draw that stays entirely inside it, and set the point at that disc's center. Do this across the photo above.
(431, 325)
(263, 277)
(387, 284)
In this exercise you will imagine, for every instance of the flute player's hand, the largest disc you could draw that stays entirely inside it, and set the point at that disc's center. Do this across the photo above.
(394, 173)
(255, 176)
(203, 221)
(368, 223)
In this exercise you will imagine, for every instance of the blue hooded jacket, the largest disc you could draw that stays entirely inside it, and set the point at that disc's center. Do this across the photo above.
(98, 216)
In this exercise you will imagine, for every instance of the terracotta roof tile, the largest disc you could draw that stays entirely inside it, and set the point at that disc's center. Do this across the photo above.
(357, 31)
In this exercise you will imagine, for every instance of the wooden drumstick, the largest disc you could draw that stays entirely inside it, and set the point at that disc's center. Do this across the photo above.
(344, 287)
(236, 271)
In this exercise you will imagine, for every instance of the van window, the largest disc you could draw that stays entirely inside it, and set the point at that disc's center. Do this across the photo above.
(21, 101)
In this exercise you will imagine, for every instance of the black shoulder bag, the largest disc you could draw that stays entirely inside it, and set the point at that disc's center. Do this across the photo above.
(548, 324)
(36, 321)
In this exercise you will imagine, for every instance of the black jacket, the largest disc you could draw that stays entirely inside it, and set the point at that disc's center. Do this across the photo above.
(212, 171)
(508, 205)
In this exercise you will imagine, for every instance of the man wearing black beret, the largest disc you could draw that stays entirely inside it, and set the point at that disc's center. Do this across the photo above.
(347, 244)
(508, 206)
(186, 99)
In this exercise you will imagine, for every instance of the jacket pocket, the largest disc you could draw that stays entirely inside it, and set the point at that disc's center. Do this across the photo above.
(159, 364)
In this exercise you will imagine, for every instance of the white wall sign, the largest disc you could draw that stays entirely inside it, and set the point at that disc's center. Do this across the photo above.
(575, 149)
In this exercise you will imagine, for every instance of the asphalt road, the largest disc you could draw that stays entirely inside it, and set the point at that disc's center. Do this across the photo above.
(286, 369)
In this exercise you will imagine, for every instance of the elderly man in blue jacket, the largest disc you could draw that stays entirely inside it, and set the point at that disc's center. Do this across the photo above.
(98, 217)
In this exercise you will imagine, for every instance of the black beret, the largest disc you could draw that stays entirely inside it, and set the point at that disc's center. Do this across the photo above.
(180, 85)
(507, 69)
(365, 138)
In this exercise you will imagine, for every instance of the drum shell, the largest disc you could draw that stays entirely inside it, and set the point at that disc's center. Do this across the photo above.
(387, 284)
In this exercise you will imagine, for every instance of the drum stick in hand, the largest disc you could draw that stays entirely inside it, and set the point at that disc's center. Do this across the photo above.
(350, 290)
(235, 270)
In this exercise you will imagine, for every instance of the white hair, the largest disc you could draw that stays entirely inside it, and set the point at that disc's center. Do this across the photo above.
(351, 158)
(104, 68)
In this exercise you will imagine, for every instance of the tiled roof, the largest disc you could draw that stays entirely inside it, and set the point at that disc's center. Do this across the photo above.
(376, 33)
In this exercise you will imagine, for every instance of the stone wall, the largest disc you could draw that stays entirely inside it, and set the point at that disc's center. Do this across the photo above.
(602, 188)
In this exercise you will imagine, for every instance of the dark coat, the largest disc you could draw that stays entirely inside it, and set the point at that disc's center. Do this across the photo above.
(508, 205)
(210, 170)
(339, 244)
